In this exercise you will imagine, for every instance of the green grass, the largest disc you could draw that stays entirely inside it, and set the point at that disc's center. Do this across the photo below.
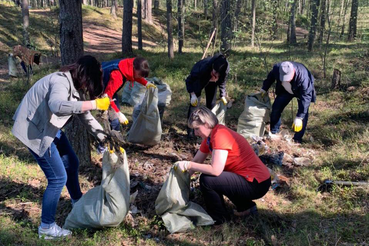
(338, 143)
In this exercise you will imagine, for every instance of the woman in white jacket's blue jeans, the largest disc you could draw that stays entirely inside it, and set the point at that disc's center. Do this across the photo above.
(41, 115)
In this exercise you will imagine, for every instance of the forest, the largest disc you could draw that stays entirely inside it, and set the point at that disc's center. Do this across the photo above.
(320, 189)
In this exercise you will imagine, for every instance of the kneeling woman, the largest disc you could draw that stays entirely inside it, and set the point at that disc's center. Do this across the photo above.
(235, 170)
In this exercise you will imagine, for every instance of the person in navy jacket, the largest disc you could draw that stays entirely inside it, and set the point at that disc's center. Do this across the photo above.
(293, 80)
(208, 73)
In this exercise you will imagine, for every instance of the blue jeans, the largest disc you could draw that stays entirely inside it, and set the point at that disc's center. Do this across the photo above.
(279, 104)
(60, 165)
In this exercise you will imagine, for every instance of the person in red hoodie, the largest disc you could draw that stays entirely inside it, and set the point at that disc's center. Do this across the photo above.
(115, 74)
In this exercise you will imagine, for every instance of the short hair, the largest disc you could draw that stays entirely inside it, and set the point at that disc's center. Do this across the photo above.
(141, 65)
(87, 75)
(201, 116)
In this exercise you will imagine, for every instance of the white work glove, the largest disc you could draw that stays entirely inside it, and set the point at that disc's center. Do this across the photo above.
(150, 85)
(297, 124)
(194, 100)
(183, 166)
(224, 100)
(122, 118)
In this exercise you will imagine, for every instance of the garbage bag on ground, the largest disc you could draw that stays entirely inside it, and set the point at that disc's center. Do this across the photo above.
(173, 205)
(105, 205)
(146, 128)
(254, 116)
(220, 111)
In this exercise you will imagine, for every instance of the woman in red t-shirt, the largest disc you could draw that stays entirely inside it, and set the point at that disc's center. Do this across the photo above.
(235, 170)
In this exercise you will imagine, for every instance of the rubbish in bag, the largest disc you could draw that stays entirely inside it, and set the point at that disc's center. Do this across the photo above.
(173, 205)
(254, 116)
(220, 111)
(105, 205)
(146, 128)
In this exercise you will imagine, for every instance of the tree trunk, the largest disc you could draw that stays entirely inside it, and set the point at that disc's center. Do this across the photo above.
(71, 48)
(226, 25)
(275, 20)
(180, 25)
(344, 19)
(353, 21)
(323, 15)
(148, 11)
(237, 14)
(170, 29)
(215, 20)
(293, 24)
(336, 79)
(127, 28)
(139, 24)
(156, 4)
(25, 17)
(113, 9)
(314, 15)
(253, 21)
(206, 9)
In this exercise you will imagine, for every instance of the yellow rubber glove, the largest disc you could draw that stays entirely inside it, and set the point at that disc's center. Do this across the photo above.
(102, 103)
(121, 150)
(224, 100)
(150, 85)
(297, 124)
(182, 166)
(194, 100)
(122, 118)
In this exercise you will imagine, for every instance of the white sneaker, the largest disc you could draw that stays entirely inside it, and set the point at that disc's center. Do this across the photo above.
(53, 232)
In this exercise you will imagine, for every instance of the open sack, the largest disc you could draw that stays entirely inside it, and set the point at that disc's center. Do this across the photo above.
(146, 128)
(173, 205)
(105, 205)
(254, 116)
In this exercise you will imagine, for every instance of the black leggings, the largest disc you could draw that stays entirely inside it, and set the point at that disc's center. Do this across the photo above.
(240, 191)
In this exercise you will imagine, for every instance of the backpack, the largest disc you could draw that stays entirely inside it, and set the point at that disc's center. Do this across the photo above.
(107, 68)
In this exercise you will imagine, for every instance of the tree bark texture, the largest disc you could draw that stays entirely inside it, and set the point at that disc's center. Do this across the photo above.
(336, 79)
(215, 20)
(314, 16)
(275, 20)
(71, 48)
(113, 9)
(344, 18)
(127, 28)
(353, 21)
(170, 30)
(25, 19)
(323, 14)
(253, 21)
(180, 25)
(156, 4)
(226, 25)
(293, 24)
(148, 11)
(139, 24)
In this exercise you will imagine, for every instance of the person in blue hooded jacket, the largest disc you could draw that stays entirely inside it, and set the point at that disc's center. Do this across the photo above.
(208, 74)
(293, 80)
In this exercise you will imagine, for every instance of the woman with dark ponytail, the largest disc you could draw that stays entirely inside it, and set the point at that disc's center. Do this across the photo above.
(41, 115)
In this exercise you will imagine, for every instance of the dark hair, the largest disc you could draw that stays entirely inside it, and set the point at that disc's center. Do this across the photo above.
(220, 64)
(141, 65)
(87, 75)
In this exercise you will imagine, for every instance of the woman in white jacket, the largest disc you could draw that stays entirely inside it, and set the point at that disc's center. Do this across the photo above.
(44, 110)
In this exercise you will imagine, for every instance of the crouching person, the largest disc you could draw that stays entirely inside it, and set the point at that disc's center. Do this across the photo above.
(235, 170)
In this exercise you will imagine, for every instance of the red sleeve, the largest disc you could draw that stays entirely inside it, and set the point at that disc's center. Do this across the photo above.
(115, 82)
(204, 148)
(142, 81)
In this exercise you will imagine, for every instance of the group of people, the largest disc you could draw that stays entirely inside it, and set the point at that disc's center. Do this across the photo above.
(235, 170)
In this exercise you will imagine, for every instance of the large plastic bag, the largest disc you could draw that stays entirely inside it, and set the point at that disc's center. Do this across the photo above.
(105, 205)
(220, 111)
(173, 205)
(146, 128)
(254, 116)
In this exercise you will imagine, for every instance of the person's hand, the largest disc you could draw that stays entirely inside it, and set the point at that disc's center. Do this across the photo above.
(194, 100)
(183, 166)
(122, 118)
(102, 103)
(150, 85)
(224, 100)
(297, 124)
(263, 92)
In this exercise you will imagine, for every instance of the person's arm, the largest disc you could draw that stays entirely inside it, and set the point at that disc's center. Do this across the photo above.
(114, 83)
(223, 82)
(218, 160)
(306, 91)
(272, 76)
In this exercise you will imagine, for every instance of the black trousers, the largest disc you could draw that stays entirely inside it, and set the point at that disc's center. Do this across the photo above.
(240, 191)
(211, 99)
